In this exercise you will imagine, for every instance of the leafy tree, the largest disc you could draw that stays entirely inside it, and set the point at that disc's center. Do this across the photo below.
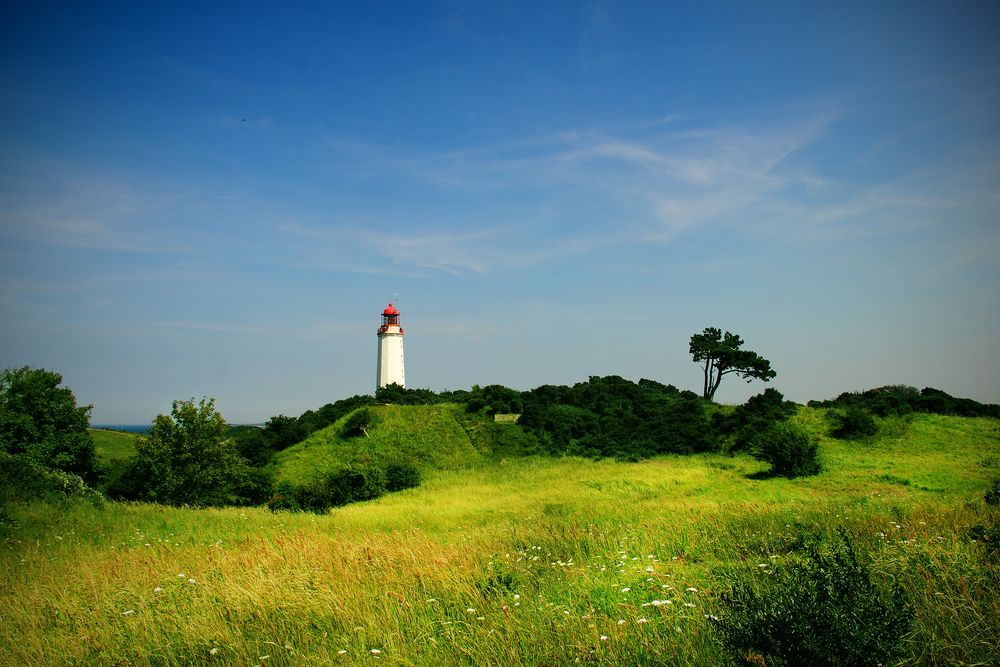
(41, 420)
(187, 458)
(720, 355)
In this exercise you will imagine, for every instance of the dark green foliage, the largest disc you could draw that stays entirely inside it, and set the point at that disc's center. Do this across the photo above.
(901, 400)
(493, 399)
(613, 417)
(789, 450)
(281, 432)
(401, 475)
(853, 423)
(41, 421)
(252, 445)
(992, 495)
(334, 489)
(754, 416)
(187, 458)
(23, 479)
(397, 395)
(720, 355)
(822, 608)
(358, 423)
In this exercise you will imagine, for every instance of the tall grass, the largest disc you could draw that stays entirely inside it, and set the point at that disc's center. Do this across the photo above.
(519, 561)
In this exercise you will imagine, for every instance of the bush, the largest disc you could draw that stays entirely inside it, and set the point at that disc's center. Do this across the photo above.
(821, 609)
(358, 423)
(789, 450)
(401, 475)
(852, 424)
(23, 479)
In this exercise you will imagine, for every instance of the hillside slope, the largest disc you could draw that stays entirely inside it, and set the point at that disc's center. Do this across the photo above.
(439, 437)
(112, 446)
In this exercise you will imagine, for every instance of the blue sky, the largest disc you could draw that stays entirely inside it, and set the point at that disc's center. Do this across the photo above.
(220, 201)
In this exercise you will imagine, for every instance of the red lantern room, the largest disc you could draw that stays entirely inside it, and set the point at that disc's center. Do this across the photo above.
(390, 318)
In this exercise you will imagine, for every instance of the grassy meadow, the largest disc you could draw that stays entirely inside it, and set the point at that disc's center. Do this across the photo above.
(505, 561)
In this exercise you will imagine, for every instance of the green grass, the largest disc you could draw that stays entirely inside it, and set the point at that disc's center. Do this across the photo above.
(431, 436)
(113, 446)
(503, 561)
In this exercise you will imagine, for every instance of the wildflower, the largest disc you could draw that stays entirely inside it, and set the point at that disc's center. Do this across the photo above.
(181, 576)
(192, 581)
(604, 638)
(214, 651)
(626, 589)
(517, 597)
(263, 657)
(691, 589)
(643, 620)
(128, 612)
(375, 651)
(711, 617)
(157, 589)
(470, 610)
(621, 621)
(341, 652)
(688, 604)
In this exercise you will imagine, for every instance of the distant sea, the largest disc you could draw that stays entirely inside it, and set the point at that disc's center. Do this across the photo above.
(144, 428)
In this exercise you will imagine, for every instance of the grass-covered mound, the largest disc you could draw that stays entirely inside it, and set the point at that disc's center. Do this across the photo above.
(439, 436)
(111, 446)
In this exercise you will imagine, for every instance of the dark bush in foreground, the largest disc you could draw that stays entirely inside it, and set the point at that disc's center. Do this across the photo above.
(789, 450)
(823, 609)
(853, 423)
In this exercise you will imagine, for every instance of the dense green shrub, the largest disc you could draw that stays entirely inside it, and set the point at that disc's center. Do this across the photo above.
(334, 489)
(187, 458)
(790, 450)
(853, 423)
(401, 475)
(358, 423)
(900, 400)
(821, 608)
(24, 479)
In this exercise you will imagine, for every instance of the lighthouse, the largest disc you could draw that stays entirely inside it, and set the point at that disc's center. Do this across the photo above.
(390, 350)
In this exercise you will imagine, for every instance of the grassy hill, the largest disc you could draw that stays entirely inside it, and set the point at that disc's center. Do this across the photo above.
(438, 437)
(505, 561)
(112, 446)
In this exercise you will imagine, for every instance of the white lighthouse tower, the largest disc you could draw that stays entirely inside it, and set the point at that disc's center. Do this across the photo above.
(390, 350)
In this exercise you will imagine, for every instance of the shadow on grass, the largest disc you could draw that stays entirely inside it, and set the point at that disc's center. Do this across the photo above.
(763, 474)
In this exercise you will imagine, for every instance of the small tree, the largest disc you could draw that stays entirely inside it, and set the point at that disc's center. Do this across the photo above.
(789, 450)
(188, 459)
(41, 420)
(721, 355)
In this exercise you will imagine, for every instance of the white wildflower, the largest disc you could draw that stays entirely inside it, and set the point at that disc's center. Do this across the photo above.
(643, 620)
(375, 651)
(691, 589)
(128, 612)
(470, 610)
(621, 621)
(157, 589)
(182, 576)
(192, 581)
(341, 652)
(214, 651)
(604, 638)
(626, 589)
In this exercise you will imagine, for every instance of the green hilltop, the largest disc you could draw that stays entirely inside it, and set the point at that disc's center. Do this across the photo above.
(441, 436)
